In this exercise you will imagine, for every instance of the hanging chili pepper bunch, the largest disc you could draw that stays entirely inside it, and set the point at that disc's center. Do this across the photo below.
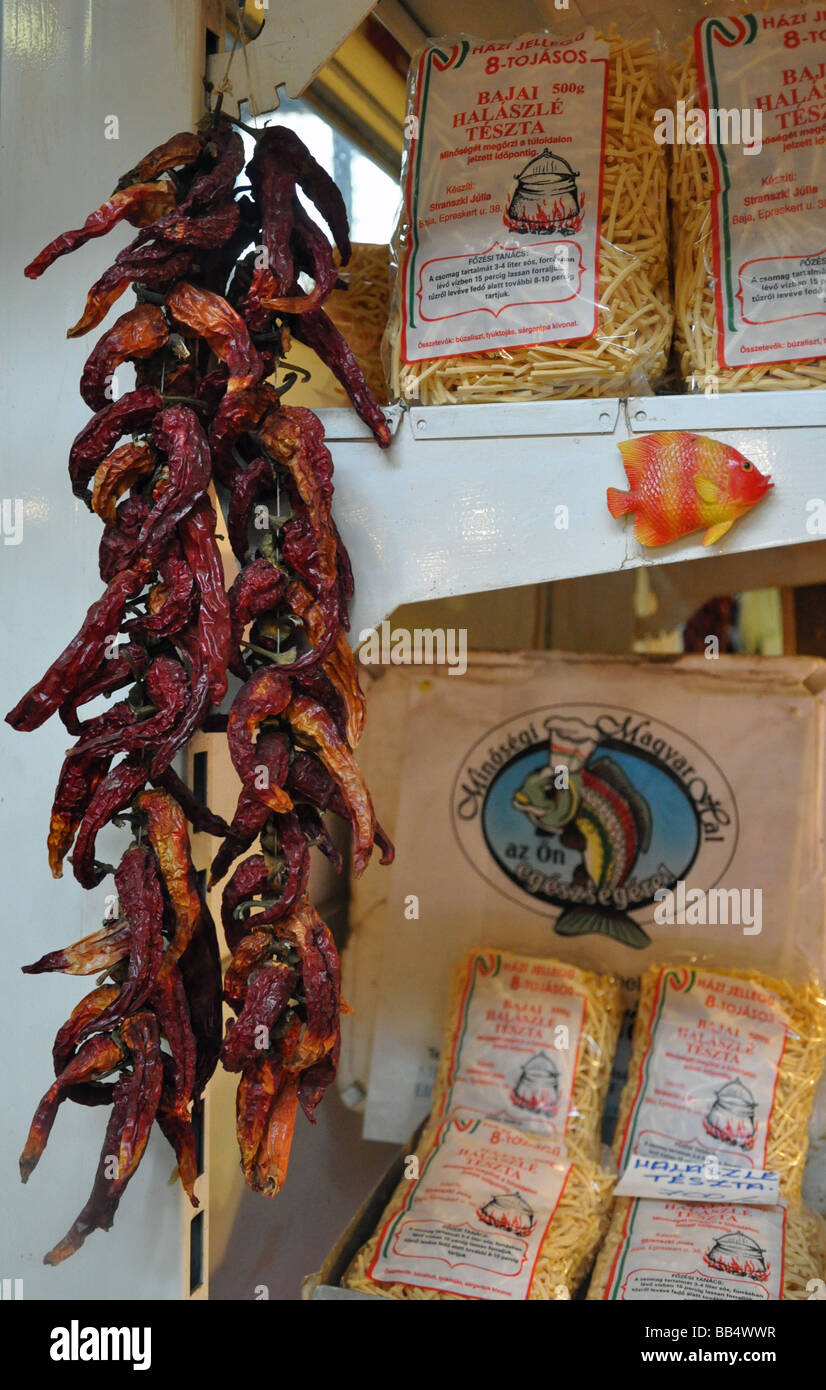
(211, 321)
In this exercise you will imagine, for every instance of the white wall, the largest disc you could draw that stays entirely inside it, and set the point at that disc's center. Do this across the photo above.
(67, 64)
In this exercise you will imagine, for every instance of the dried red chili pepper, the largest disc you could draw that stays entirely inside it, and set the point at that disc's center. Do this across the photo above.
(227, 147)
(288, 152)
(139, 204)
(314, 256)
(268, 993)
(197, 533)
(153, 267)
(90, 1007)
(263, 286)
(320, 982)
(206, 232)
(171, 602)
(178, 433)
(167, 833)
(113, 794)
(265, 695)
(257, 590)
(257, 1091)
(312, 556)
(136, 1098)
(119, 730)
(308, 778)
(251, 877)
(346, 583)
(132, 411)
(183, 148)
(256, 481)
(253, 951)
(175, 1123)
(98, 1057)
(290, 879)
(120, 471)
(274, 190)
(214, 320)
(340, 668)
(316, 834)
(200, 968)
(272, 1159)
(84, 653)
(317, 1080)
(318, 332)
(139, 894)
(118, 547)
(189, 640)
(129, 665)
(251, 815)
(238, 413)
(318, 686)
(78, 781)
(320, 619)
(294, 437)
(100, 951)
(315, 730)
(168, 1000)
(138, 333)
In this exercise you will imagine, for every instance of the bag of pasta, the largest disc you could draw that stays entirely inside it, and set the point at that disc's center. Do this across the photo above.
(748, 202)
(721, 1085)
(532, 243)
(530, 1041)
(487, 1212)
(687, 1251)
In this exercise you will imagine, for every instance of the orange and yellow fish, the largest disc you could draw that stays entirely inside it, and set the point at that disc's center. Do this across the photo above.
(681, 482)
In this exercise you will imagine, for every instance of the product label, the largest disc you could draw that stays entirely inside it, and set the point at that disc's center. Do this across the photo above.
(477, 1215)
(517, 1042)
(676, 1251)
(763, 91)
(504, 190)
(699, 1124)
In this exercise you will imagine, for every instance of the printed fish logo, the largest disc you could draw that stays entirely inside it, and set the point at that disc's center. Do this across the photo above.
(599, 813)
(680, 482)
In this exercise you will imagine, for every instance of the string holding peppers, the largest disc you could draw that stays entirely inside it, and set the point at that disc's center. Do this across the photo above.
(210, 323)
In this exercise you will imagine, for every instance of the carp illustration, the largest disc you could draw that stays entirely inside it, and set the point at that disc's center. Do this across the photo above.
(595, 810)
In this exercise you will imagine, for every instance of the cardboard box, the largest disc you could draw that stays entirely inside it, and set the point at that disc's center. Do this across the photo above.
(541, 801)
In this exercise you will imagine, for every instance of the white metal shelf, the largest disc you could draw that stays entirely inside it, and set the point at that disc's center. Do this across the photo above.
(466, 498)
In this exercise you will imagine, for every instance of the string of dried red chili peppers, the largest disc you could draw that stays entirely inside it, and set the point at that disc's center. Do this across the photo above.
(216, 276)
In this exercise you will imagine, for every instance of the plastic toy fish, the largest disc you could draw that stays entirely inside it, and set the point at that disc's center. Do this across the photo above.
(681, 482)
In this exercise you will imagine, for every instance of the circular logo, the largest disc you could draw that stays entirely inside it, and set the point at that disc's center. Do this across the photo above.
(591, 810)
